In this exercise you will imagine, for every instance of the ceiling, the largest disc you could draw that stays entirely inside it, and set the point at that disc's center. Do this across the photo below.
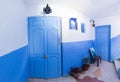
(90, 8)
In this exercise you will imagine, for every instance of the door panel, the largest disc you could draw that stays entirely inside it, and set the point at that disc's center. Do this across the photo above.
(39, 66)
(45, 46)
(102, 51)
(52, 66)
(36, 22)
(52, 48)
(52, 41)
(102, 41)
(37, 46)
(38, 42)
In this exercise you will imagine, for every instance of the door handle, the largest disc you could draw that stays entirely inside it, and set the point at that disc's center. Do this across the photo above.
(45, 56)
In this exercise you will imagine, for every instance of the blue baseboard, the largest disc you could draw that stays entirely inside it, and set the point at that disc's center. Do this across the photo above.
(14, 66)
(73, 54)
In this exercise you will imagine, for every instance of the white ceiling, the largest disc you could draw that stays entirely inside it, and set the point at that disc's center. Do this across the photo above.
(91, 8)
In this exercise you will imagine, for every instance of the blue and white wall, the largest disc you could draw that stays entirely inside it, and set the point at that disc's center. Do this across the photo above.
(114, 21)
(75, 44)
(13, 41)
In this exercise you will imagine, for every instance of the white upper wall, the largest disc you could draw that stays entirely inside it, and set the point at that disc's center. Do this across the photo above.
(13, 25)
(66, 13)
(114, 21)
(78, 9)
(90, 8)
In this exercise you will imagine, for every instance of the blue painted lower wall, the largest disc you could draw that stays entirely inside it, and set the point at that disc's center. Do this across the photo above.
(115, 47)
(73, 54)
(14, 66)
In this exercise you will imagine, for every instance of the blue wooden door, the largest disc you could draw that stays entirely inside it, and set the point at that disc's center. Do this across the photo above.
(45, 46)
(103, 41)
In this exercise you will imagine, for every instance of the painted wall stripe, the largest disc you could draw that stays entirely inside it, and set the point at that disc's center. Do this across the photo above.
(14, 66)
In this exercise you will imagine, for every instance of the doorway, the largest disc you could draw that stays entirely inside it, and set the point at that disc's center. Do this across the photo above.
(103, 41)
(45, 46)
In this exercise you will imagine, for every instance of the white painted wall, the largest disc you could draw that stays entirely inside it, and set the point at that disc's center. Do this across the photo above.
(114, 21)
(13, 25)
(65, 13)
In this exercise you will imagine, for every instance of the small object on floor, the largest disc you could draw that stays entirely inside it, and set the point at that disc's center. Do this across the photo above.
(75, 75)
(85, 67)
(75, 72)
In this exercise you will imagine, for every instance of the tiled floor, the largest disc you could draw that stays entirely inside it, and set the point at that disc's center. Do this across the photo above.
(107, 74)
(61, 79)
